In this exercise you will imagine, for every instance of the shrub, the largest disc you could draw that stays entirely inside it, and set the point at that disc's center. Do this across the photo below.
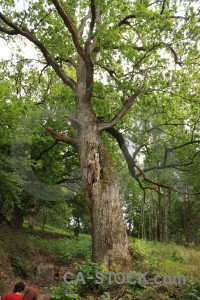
(63, 292)
(20, 266)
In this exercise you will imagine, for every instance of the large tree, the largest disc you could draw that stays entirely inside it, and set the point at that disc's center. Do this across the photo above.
(116, 57)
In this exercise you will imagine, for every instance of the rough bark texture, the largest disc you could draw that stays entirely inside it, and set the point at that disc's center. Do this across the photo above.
(109, 237)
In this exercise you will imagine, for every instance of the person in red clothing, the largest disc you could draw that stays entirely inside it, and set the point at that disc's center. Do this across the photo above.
(31, 293)
(17, 293)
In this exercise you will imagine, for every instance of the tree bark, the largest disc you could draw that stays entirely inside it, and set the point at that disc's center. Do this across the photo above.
(109, 237)
(160, 217)
(155, 220)
(142, 222)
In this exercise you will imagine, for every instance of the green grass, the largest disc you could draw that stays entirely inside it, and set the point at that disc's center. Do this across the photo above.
(148, 256)
(168, 258)
(66, 249)
(48, 228)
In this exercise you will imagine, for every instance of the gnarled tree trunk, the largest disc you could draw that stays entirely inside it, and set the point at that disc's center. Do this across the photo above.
(109, 237)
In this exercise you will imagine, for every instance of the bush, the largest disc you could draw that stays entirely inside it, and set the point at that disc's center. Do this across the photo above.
(20, 266)
(63, 292)
(89, 270)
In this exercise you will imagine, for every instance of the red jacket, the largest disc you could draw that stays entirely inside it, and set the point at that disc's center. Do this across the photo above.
(12, 297)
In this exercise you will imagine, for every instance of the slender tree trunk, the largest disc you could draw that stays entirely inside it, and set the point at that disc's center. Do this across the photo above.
(130, 216)
(77, 227)
(142, 221)
(166, 221)
(139, 227)
(33, 216)
(150, 221)
(160, 216)
(155, 220)
(186, 220)
(18, 218)
(44, 220)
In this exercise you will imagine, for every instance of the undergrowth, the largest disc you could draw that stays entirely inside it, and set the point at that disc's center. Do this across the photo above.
(147, 256)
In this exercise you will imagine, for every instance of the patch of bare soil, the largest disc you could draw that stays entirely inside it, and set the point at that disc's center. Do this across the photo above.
(44, 273)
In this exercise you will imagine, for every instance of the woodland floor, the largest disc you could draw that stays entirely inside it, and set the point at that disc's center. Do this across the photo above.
(42, 258)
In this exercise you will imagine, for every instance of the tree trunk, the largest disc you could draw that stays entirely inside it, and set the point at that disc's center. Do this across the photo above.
(18, 218)
(155, 221)
(165, 218)
(142, 221)
(160, 217)
(109, 237)
(44, 220)
(150, 225)
(130, 216)
(33, 215)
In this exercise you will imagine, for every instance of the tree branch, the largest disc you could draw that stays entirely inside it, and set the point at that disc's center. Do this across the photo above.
(175, 57)
(10, 32)
(165, 185)
(93, 11)
(123, 111)
(163, 7)
(69, 24)
(119, 138)
(67, 60)
(125, 20)
(61, 137)
(51, 61)
(46, 150)
(132, 165)
(82, 25)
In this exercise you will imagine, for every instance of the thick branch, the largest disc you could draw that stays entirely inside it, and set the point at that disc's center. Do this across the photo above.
(132, 165)
(51, 61)
(118, 117)
(119, 138)
(10, 32)
(61, 137)
(93, 11)
(69, 24)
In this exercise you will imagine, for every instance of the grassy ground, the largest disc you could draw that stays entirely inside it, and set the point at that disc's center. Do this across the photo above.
(23, 251)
